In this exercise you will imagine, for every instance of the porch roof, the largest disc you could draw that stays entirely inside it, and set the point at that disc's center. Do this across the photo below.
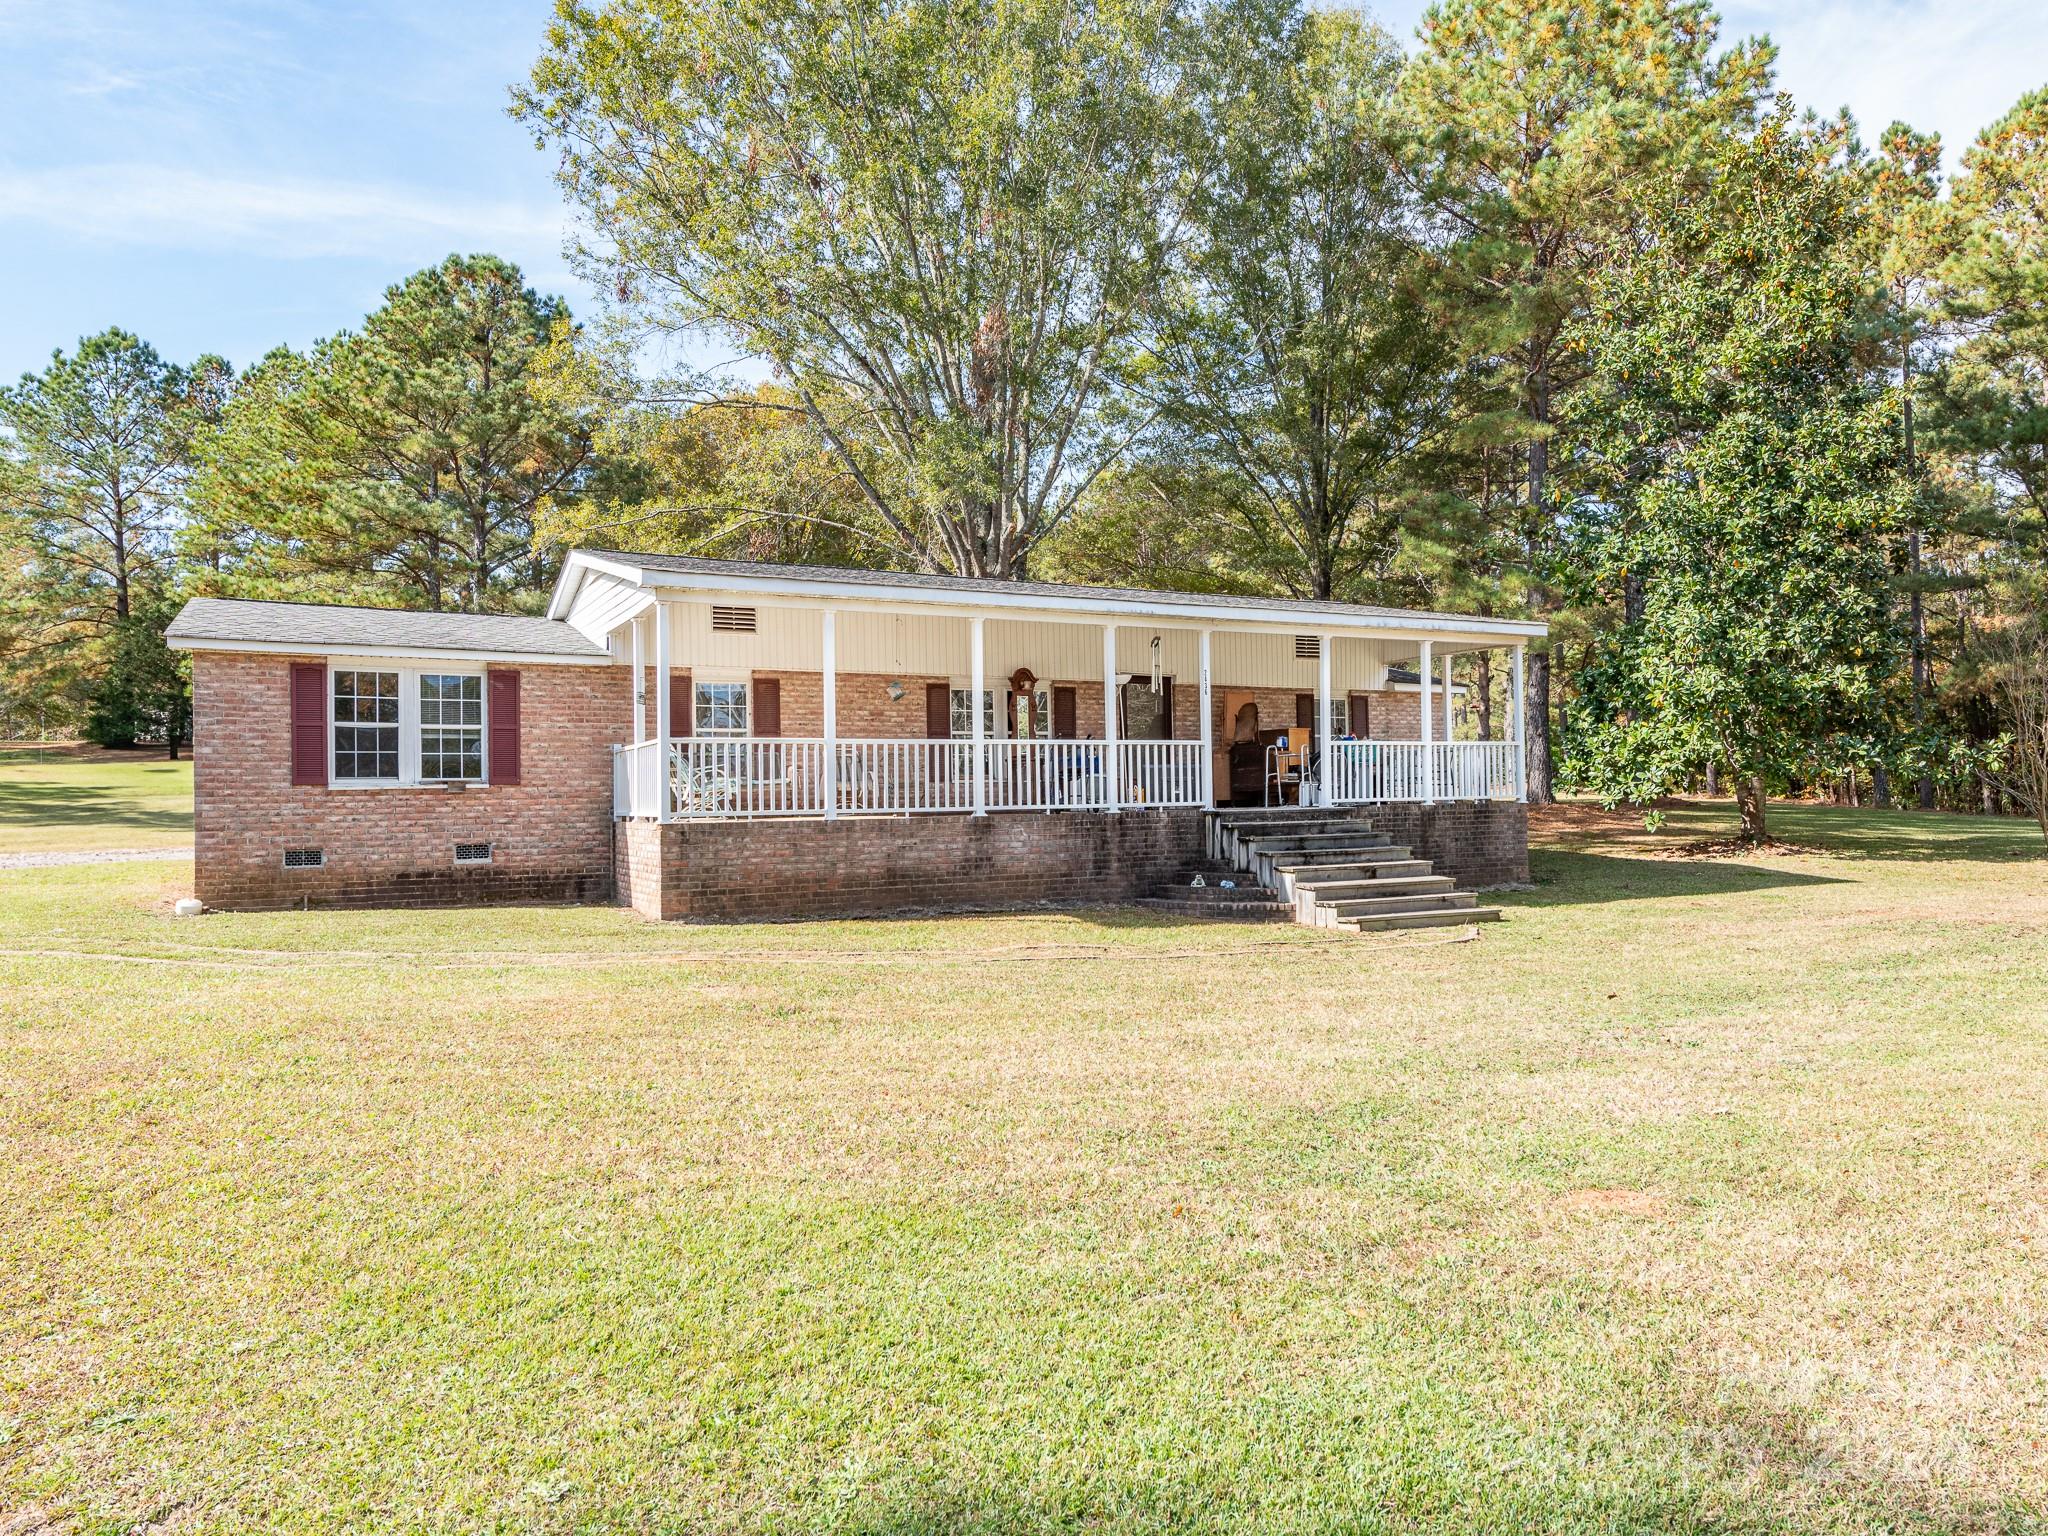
(824, 585)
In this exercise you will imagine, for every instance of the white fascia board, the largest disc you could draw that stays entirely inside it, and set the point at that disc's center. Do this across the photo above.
(849, 596)
(576, 567)
(384, 652)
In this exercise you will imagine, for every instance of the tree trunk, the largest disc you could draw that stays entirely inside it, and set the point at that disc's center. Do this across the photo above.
(1749, 801)
(1916, 604)
(1880, 787)
(1538, 727)
(1713, 779)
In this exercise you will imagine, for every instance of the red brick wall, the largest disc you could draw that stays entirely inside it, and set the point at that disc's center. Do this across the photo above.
(550, 835)
(1476, 842)
(872, 864)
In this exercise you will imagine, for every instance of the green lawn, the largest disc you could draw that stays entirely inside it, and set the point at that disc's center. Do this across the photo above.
(1698, 1195)
(75, 800)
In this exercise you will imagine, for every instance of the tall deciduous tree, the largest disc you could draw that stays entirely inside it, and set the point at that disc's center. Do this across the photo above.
(1753, 482)
(948, 216)
(407, 461)
(1312, 363)
(1548, 119)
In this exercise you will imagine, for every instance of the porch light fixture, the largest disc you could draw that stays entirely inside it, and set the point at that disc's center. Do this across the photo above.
(894, 688)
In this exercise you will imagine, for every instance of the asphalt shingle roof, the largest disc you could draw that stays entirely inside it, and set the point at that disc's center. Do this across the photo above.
(703, 566)
(243, 621)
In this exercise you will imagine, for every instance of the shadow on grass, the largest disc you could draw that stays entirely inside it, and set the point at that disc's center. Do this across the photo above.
(1927, 836)
(49, 805)
(1573, 879)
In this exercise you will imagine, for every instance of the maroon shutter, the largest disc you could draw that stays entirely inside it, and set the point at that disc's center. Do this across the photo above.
(1361, 716)
(938, 711)
(1305, 710)
(503, 767)
(1166, 709)
(682, 705)
(1063, 713)
(309, 723)
(767, 702)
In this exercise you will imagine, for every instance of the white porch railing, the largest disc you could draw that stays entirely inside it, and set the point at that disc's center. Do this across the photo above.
(1369, 772)
(712, 776)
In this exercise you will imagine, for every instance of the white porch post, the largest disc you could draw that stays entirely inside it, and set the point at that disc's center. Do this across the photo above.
(1521, 750)
(1111, 767)
(639, 679)
(974, 708)
(1448, 727)
(1208, 766)
(830, 683)
(662, 722)
(1324, 645)
(1426, 671)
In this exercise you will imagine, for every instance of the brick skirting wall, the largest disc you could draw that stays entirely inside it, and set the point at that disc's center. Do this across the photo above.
(550, 836)
(1476, 843)
(861, 865)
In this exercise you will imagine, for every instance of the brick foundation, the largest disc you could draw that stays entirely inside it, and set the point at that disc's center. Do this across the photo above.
(1476, 843)
(864, 865)
(550, 835)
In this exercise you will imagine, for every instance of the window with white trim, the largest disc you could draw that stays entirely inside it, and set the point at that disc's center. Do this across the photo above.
(963, 714)
(451, 725)
(404, 726)
(719, 708)
(366, 726)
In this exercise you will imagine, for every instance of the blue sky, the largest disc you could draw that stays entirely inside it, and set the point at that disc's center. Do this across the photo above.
(226, 175)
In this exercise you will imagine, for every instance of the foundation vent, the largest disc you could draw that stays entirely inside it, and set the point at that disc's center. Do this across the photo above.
(305, 858)
(472, 853)
(732, 621)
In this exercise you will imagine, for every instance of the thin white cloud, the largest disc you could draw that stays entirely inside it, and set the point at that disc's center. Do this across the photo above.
(168, 207)
(1948, 68)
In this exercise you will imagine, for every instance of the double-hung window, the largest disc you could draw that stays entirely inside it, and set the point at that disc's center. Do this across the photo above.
(366, 727)
(403, 725)
(451, 725)
(720, 708)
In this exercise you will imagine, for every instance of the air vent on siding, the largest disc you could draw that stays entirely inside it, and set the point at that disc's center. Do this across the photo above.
(304, 858)
(732, 621)
(472, 853)
(1308, 647)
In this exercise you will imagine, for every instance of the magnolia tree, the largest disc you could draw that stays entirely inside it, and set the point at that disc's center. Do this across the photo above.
(940, 222)
(1744, 472)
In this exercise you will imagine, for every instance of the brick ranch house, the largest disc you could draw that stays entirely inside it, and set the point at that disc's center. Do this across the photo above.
(713, 738)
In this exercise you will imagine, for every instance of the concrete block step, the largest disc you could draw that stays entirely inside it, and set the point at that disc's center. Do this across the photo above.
(1309, 858)
(1450, 918)
(1244, 890)
(1396, 885)
(1293, 826)
(1380, 906)
(1281, 842)
(1301, 876)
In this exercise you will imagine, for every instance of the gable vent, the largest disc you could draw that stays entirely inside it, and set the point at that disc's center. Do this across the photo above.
(304, 858)
(732, 621)
(1308, 647)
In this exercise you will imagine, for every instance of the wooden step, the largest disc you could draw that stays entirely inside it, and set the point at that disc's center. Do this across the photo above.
(1450, 917)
